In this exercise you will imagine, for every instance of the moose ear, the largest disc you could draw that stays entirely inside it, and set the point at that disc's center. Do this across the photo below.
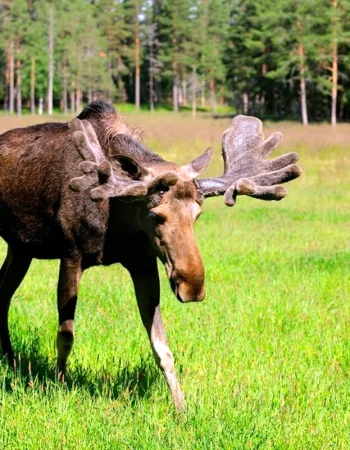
(129, 166)
(198, 165)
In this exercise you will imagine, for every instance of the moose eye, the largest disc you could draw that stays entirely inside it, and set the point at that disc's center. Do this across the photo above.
(156, 217)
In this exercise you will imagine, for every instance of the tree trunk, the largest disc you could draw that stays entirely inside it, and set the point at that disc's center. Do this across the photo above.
(341, 110)
(175, 78)
(301, 52)
(151, 80)
(137, 58)
(264, 70)
(179, 94)
(7, 84)
(334, 68)
(184, 88)
(304, 115)
(175, 95)
(194, 92)
(109, 89)
(151, 38)
(41, 104)
(212, 94)
(32, 87)
(222, 99)
(51, 63)
(90, 78)
(121, 89)
(89, 95)
(203, 93)
(12, 78)
(65, 88)
(72, 100)
(245, 99)
(19, 79)
(78, 98)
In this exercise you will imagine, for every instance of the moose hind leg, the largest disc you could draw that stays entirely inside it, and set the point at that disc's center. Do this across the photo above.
(67, 295)
(146, 283)
(12, 273)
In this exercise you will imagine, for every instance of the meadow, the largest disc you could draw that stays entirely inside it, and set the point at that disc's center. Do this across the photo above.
(264, 361)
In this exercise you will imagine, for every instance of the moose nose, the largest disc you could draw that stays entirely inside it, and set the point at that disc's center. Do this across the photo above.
(188, 292)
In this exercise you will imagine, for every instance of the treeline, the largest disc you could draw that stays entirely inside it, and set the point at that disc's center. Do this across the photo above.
(278, 59)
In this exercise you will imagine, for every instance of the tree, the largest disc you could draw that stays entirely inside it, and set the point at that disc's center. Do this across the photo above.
(51, 59)
(276, 58)
(137, 54)
(214, 31)
(115, 20)
(174, 31)
(7, 49)
(292, 30)
(15, 28)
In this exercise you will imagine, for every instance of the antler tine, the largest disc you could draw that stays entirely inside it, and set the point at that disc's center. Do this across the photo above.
(99, 171)
(246, 171)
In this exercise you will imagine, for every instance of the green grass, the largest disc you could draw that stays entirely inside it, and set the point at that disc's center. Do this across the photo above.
(264, 361)
(126, 108)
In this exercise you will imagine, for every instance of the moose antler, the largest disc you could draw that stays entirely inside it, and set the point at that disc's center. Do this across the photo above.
(246, 171)
(97, 169)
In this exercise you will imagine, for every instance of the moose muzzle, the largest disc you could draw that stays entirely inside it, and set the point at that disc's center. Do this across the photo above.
(190, 288)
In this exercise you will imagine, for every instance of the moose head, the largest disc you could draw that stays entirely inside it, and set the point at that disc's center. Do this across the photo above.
(170, 197)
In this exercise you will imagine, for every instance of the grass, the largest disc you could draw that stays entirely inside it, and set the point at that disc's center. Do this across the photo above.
(264, 362)
(127, 108)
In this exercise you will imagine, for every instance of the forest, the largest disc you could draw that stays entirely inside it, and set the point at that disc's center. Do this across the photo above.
(277, 59)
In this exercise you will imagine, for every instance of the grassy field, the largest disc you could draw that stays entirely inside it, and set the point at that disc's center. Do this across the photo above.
(264, 361)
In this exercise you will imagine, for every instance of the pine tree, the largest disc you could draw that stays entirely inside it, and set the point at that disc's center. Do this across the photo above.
(333, 47)
(277, 58)
(15, 30)
(115, 23)
(7, 53)
(291, 28)
(214, 30)
(153, 64)
(36, 69)
(175, 30)
(248, 57)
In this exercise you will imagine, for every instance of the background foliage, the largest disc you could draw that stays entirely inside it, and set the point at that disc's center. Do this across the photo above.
(277, 59)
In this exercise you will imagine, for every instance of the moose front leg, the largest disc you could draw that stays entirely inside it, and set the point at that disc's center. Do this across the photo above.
(146, 283)
(12, 273)
(67, 295)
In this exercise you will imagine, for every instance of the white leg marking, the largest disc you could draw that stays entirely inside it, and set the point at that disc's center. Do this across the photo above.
(165, 361)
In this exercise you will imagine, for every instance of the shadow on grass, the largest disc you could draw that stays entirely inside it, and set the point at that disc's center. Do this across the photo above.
(119, 380)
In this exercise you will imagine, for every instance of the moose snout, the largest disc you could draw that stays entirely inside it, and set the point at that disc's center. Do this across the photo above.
(187, 291)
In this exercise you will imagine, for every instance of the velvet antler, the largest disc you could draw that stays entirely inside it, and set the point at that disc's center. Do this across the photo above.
(98, 170)
(246, 169)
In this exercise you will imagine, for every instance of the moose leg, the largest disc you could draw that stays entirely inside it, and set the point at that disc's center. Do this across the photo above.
(12, 273)
(146, 284)
(67, 294)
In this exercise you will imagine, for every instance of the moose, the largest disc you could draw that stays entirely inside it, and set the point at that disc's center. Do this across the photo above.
(89, 192)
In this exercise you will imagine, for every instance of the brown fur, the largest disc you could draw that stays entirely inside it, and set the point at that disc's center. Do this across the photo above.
(41, 217)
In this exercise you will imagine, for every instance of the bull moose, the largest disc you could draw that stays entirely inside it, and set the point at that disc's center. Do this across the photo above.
(88, 192)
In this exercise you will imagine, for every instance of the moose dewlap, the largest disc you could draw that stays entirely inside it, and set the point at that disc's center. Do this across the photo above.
(88, 192)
